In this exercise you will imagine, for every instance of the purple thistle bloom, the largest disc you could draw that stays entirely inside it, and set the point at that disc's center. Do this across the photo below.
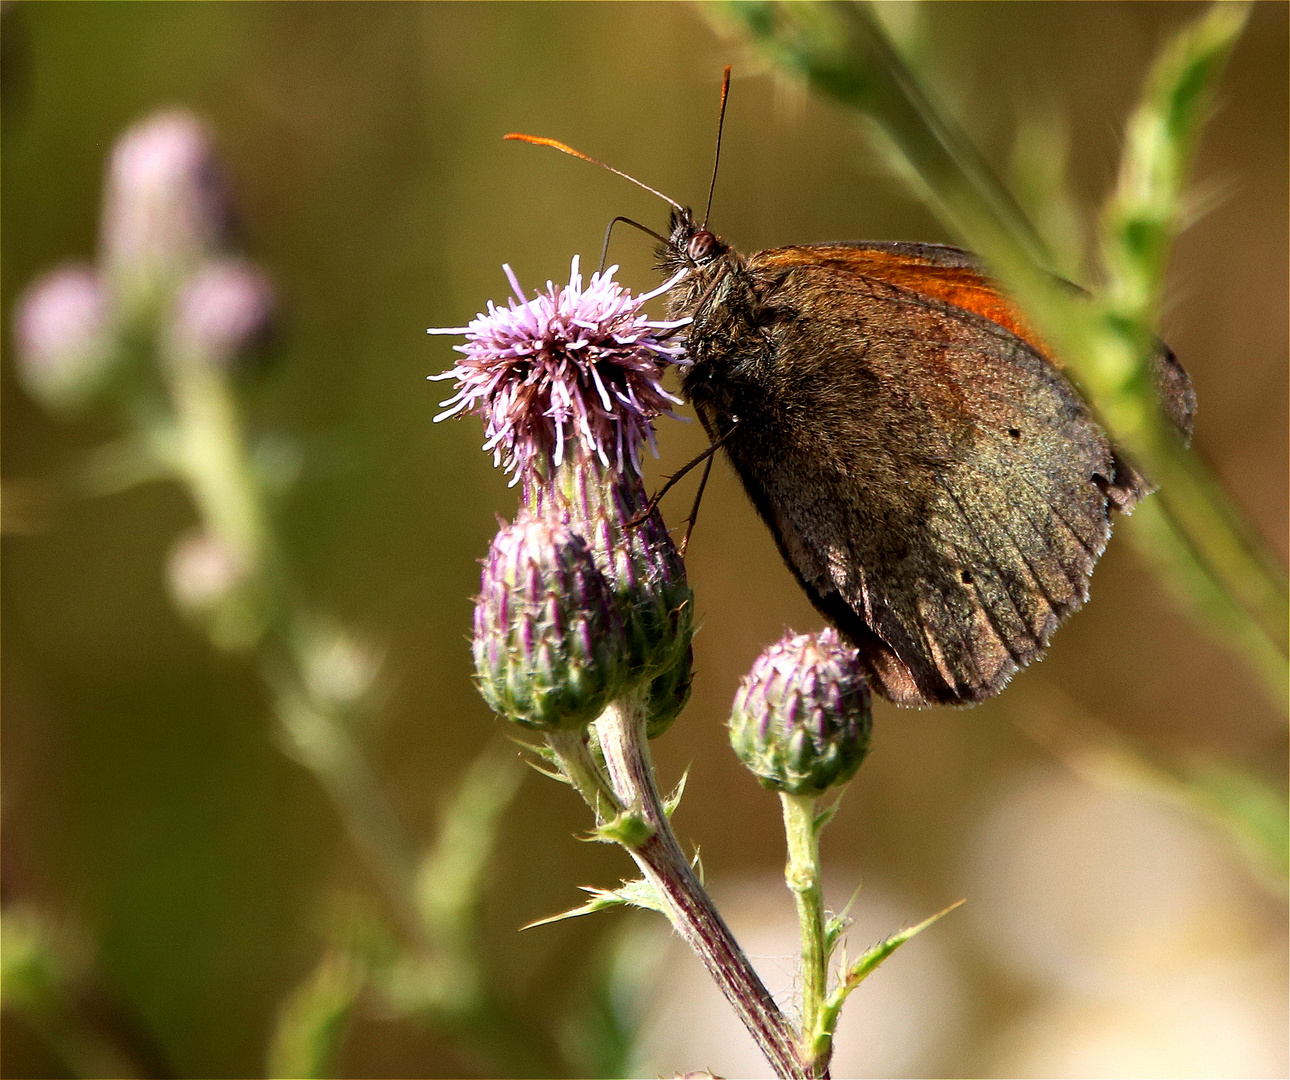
(574, 365)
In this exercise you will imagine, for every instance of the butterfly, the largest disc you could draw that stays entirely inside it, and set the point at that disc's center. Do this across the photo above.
(934, 482)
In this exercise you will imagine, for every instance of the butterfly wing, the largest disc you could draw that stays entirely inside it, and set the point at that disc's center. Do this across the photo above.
(937, 486)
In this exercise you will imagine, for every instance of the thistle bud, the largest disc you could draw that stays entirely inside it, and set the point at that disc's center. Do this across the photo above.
(549, 647)
(64, 340)
(167, 205)
(215, 588)
(639, 559)
(224, 312)
(801, 719)
(668, 694)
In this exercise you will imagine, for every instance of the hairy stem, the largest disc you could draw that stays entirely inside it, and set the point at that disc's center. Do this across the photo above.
(802, 875)
(622, 738)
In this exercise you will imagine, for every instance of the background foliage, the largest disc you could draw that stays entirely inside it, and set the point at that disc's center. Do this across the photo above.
(146, 807)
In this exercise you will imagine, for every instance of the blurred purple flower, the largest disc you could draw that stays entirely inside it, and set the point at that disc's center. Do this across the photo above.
(62, 334)
(573, 365)
(225, 310)
(167, 204)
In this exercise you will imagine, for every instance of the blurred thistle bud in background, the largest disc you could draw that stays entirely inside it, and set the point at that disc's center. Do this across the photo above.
(162, 286)
(223, 314)
(156, 326)
(549, 645)
(209, 584)
(166, 208)
(339, 669)
(64, 338)
(801, 720)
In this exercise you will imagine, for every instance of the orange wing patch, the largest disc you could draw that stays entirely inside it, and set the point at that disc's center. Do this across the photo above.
(960, 286)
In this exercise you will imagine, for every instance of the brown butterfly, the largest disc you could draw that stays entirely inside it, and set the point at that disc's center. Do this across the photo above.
(934, 482)
(932, 479)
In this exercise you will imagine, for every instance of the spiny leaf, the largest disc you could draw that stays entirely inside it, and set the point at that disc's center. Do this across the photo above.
(674, 800)
(638, 893)
(858, 971)
(867, 963)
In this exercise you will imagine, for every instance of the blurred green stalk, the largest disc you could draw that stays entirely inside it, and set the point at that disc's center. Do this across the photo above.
(37, 979)
(211, 454)
(436, 902)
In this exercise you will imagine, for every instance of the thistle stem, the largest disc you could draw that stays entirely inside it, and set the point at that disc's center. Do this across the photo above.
(802, 875)
(213, 460)
(689, 908)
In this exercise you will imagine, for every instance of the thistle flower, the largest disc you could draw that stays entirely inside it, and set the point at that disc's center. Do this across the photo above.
(636, 554)
(575, 369)
(801, 719)
(669, 693)
(549, 646)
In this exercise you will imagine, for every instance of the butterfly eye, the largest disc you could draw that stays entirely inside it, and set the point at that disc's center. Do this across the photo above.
(702, 246)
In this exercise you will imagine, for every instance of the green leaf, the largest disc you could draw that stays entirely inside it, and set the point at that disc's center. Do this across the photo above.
(861, 969)
(867, 963)
(628, 829)
(674, 800)
(1252, 810)
(450, 879)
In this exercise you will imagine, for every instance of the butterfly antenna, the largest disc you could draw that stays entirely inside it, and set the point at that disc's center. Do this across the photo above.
(721, 120)
(609, 232)
(538, 140)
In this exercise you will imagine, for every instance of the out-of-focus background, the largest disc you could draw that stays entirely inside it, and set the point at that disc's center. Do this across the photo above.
(146, 806)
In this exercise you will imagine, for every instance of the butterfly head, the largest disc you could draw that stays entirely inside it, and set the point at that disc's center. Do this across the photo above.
(689, 246)
(697, 254)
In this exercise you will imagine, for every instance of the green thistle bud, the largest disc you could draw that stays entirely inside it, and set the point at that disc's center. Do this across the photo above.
(549, 646)
(640, 561)
(668, 694)
(801, 719)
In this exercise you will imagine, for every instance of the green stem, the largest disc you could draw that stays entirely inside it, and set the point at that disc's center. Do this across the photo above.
(689, 908)
(579, 767)
(84, 1051)
(318, 739)
(802, 875)
(213, 460)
